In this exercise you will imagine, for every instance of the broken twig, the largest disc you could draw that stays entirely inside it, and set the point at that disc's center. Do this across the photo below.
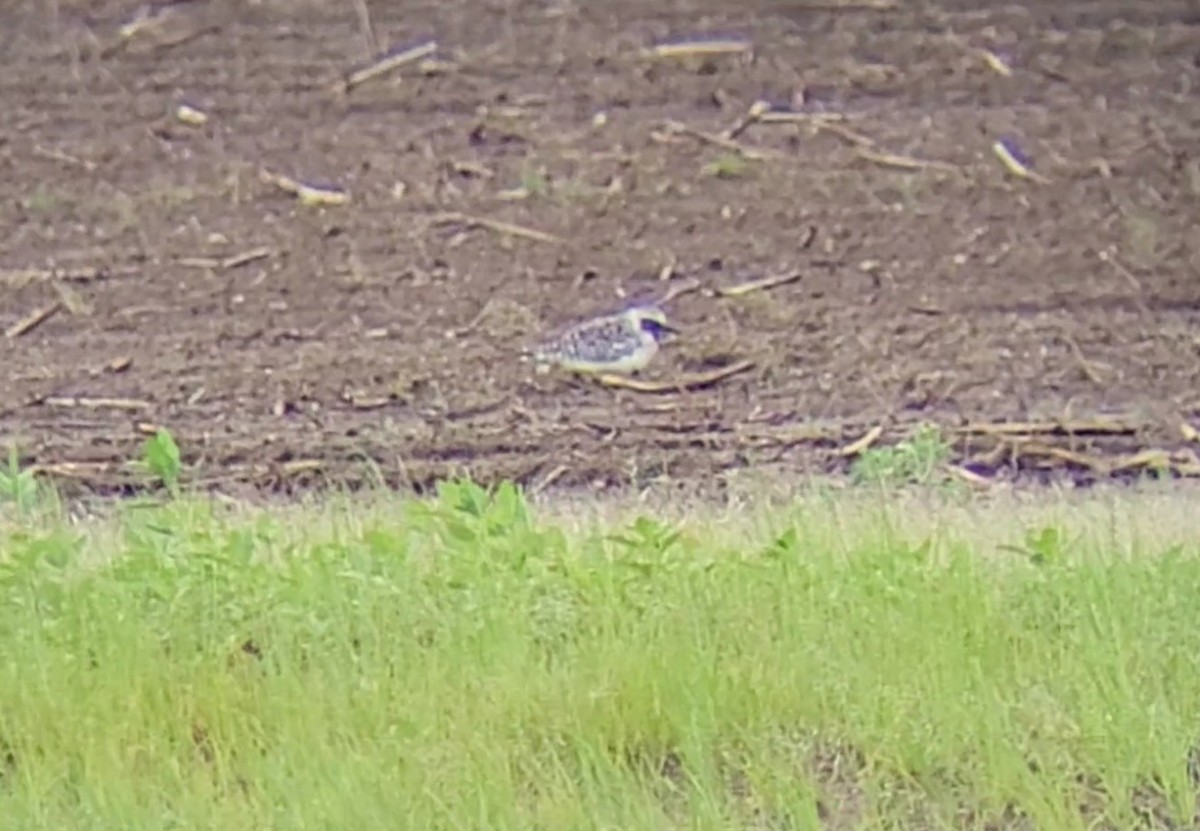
(697, 381)
(698, 48)
(297, 467)
(191, 116)
(65, 158)
(1038, 450)
(498, 226)
(71, 470)
(162, 21)
(96, 403)
(1015, 163)
(756, 111)
(307, 194)
(1090, 369)
(1151, 458)
(995, 63)
(845, 133)
(989, 58)
(969, 476)
(388, 63)
(752, 153)
(774, 281)
(549, 479)
(233, 261)
(32, 320)
(903, 162)
(761, 112)
(679, 290)
(1042, 428)
(862, 443)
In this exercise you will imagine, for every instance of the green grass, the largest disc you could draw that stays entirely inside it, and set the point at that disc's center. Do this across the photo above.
(470, 663)
(918, 459)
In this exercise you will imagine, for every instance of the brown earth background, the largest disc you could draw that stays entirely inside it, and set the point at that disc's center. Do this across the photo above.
(543, 165)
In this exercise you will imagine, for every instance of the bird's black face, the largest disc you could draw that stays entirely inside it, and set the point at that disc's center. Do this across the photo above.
(655, 329)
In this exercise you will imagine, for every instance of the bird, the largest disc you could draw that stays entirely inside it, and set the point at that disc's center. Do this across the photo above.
(622, 343)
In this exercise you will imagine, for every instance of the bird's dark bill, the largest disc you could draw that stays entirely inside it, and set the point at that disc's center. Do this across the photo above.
(656, 329)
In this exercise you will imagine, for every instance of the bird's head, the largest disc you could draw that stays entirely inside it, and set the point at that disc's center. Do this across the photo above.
(651, 320)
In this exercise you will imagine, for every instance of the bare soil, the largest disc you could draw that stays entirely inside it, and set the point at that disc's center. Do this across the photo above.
(288, 345)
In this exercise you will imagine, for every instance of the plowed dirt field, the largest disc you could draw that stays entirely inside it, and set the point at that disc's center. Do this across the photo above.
(544, 164)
